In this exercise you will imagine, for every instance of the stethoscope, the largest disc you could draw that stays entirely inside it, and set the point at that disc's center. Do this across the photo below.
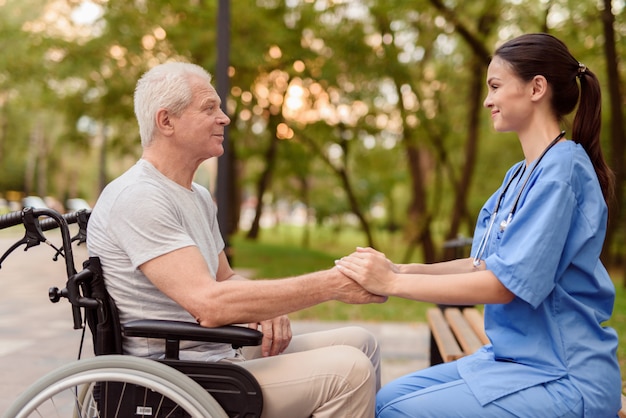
(505, 223)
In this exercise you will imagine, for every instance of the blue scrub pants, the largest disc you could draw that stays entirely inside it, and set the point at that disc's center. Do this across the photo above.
(439, 391)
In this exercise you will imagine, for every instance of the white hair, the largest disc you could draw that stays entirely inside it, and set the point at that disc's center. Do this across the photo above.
(166, 86)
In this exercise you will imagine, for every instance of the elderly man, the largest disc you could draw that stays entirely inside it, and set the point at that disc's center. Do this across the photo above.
(156, 234)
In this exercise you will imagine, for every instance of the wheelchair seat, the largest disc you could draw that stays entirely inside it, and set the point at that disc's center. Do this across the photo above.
(232, 386)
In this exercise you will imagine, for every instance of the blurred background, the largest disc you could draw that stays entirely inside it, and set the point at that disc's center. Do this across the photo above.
(353, 122)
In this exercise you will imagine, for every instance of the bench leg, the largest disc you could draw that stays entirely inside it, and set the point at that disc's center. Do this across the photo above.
(435, 355)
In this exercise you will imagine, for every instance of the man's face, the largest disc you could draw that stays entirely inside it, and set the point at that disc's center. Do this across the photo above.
(200, 128)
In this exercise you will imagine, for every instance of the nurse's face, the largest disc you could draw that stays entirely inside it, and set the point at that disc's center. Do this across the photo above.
(509, 98)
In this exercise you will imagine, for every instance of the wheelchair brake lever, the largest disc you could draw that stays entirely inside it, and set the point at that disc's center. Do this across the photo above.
(33, 236)
(82, 219)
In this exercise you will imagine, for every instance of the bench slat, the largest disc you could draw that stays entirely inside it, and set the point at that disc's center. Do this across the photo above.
(477, 322)
(447, 344)
(462, 330)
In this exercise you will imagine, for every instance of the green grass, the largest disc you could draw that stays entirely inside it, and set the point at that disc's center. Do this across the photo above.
(279, 254)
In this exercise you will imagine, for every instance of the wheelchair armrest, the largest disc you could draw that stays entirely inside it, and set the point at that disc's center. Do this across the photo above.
(190, 331)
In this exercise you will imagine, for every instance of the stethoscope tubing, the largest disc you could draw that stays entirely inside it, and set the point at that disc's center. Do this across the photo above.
(504, 224)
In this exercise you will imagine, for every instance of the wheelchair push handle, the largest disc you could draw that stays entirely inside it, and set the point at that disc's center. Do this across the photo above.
(11, 219)
(21, 217)
(34, 227)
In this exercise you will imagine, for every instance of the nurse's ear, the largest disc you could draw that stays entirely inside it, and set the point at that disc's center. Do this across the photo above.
(539, 86)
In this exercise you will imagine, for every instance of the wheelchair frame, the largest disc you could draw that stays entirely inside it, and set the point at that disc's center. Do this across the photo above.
(199, 389)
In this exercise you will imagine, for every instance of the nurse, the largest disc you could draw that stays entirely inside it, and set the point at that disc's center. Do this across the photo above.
(535, 260)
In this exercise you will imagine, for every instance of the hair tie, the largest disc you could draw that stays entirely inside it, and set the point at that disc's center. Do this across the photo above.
(582, 70)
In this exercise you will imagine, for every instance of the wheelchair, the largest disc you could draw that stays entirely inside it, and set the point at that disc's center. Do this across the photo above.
(115, 385)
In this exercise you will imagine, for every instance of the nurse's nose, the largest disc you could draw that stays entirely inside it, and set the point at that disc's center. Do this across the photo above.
(487, 102)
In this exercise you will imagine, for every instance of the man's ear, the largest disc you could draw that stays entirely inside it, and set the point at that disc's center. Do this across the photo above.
(539, 86)
(164, 122)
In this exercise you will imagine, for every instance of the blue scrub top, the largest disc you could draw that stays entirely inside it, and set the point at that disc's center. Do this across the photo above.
(548, 256)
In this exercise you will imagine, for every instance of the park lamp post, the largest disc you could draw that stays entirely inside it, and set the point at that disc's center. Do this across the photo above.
(224, 187)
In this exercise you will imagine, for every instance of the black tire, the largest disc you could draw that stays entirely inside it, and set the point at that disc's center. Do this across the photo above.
(69, 391)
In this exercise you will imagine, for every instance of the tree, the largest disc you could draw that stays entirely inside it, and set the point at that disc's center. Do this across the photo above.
(354, 106)
(617, 132)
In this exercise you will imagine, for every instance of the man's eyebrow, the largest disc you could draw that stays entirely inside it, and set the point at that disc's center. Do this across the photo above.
(210, 101)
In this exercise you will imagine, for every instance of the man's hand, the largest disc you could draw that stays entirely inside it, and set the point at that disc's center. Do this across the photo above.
(370, 269)
(349, 291)
(276, 335)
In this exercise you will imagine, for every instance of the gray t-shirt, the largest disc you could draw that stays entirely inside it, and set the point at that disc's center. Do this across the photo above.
(142, 215)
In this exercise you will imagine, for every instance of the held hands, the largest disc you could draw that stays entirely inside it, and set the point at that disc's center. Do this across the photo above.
(369, 268)
(276, 335)
(348, 291)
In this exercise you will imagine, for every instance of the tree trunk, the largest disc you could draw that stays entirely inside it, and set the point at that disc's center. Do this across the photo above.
(354, 206)
(617, 133)
(459, 209)
(345, 182)
(418, 216)
(34, 148)
(475, 99)
(264, 182)
(305, 196)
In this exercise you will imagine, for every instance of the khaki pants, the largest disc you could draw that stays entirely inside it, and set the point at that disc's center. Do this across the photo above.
(333, 373)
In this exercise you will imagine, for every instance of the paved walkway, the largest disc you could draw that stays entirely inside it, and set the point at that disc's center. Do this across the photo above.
(36, 336)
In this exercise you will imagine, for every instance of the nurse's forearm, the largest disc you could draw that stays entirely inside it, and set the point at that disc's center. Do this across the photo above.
(478, 287)
(461, 265)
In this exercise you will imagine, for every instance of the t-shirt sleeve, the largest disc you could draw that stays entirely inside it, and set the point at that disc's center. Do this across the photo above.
(527, 253)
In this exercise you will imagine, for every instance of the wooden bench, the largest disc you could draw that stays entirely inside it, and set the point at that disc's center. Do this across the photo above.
(456, 332)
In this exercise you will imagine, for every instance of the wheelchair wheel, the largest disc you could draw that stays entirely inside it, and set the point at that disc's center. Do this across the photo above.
(115, 386)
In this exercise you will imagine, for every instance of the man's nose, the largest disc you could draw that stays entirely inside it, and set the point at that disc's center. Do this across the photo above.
(224, 119)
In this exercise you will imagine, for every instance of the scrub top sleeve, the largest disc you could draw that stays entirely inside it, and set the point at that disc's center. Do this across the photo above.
(526, 255)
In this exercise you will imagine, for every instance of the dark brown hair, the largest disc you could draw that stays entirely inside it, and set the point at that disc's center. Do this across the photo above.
(572, 83)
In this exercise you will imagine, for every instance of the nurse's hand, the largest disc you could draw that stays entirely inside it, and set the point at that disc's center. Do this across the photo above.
(371, 269)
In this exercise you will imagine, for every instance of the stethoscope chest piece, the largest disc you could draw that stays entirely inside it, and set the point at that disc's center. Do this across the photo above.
(506, 222)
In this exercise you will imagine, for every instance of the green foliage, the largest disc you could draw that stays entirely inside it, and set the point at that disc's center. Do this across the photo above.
(379, 79)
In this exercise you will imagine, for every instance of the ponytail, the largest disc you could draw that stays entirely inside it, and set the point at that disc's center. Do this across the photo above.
(587, 126)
